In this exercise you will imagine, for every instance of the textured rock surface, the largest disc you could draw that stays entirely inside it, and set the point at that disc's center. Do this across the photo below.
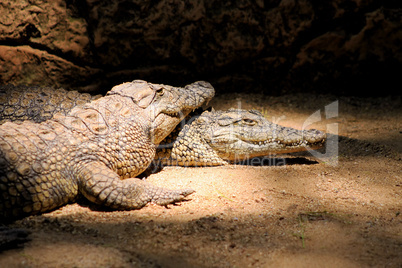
(261, 46)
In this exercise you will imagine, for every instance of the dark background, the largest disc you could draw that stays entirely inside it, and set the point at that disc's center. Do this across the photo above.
(343, 47)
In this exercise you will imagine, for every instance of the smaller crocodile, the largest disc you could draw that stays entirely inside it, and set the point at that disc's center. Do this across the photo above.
(222, 137)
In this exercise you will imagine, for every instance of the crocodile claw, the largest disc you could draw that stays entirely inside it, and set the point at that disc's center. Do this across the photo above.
(171, 196)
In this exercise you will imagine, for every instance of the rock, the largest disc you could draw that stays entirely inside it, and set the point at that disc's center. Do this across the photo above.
(270, 47)
(29, 66)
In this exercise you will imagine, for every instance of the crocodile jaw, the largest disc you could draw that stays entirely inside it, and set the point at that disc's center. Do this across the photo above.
(164, 123)
(175, 105)
(232, 147)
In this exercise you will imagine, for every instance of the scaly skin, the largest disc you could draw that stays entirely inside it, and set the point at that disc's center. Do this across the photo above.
(220, 137)
(38, 104)
(94, 151)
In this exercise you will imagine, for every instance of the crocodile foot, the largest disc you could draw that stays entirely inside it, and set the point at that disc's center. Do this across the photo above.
(12, 238)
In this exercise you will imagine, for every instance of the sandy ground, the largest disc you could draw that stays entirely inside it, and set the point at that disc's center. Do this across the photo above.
(336, 209)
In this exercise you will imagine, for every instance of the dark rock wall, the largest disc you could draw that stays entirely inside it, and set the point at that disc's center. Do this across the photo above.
(272, 46)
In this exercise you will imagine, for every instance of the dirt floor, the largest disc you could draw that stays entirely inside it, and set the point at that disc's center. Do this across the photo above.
(337, 208)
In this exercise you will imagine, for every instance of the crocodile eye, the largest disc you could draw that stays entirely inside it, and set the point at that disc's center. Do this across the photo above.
(249, 122)
(160, 91)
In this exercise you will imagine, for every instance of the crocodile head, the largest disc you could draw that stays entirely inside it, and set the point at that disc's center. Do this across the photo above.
(165, 106)
(238, 134)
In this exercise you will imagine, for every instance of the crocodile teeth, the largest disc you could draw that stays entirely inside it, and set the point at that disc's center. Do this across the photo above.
(260, 142)
(174, 114)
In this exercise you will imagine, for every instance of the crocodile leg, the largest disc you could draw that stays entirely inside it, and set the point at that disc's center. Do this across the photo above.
(101, 185)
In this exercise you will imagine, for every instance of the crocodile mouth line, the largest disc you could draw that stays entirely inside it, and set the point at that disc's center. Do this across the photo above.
(262, 143)
(181, 114)
(298, 143)
(176, 115)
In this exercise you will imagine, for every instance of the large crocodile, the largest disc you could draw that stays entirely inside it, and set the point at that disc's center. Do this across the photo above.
(95, 150)
(208, 139)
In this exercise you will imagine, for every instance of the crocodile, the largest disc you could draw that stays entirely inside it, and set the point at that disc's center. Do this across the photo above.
(222, 137)
(94, 151)
(206, 138)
